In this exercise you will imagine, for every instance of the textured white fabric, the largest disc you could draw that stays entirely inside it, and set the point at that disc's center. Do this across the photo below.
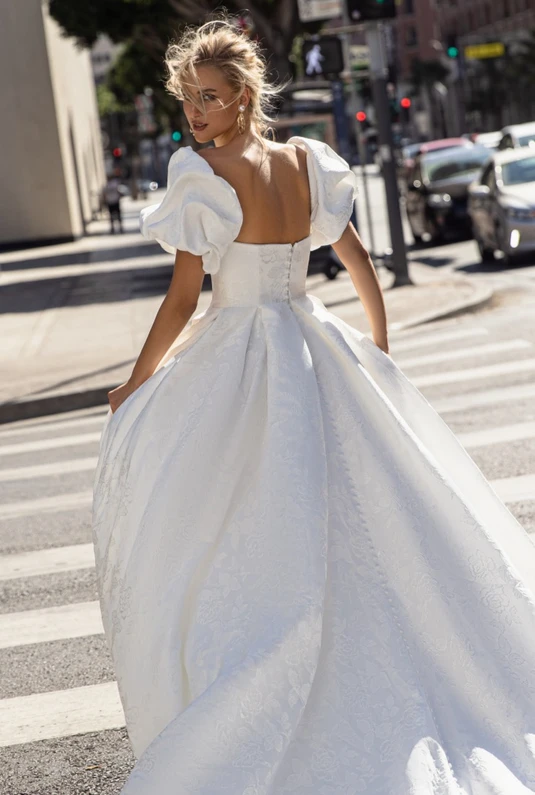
(200, 212)
(307, 585)
(333, 188)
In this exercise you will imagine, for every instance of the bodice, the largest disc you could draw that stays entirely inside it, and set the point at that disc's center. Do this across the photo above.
(252, 274)
(201, 213)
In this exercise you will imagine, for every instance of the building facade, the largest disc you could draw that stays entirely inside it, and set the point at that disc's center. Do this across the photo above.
(50, 143)
(479, 18)
(463, 94)
(416, 33)
(488, 87)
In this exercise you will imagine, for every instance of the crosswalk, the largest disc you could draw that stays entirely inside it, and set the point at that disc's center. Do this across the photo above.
(483, 387)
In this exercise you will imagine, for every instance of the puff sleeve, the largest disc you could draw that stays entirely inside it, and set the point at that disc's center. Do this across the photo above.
(200, 212)
(333, 187)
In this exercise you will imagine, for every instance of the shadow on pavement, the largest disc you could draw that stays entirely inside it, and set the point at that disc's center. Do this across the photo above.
(437, 261)
(93, 288)
(498, 266)
(84, 257)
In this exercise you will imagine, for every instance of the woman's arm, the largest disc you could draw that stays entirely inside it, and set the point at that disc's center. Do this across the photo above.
(362, 272)
(177, 308)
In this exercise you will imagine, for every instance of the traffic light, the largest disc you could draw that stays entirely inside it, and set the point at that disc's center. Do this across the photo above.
(452, 50)
(371, 10)
(323, 56)
(117, 152)
(405, 116)
(176, 135)
(361, 116)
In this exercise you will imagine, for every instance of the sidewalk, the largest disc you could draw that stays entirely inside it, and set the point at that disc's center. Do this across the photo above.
(73, 317)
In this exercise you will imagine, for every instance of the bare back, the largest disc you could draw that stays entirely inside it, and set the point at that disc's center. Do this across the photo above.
(273, 190)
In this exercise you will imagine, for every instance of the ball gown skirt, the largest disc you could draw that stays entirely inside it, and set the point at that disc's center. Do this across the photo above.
(306, 583)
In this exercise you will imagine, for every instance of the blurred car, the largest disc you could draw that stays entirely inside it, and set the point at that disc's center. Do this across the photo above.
(437, 190)
(502, 205)
(489, 139)
(517, 135)
(410, 152)
(144, 187)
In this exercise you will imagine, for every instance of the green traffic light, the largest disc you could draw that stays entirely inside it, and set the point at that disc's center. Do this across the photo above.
(453, 52)
(176, 135)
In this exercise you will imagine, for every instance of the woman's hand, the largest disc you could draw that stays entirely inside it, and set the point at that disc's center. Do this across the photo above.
(383, 345)
(119, 395)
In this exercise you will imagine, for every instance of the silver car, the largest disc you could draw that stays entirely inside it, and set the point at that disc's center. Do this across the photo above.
(501, 205)
(517, 135)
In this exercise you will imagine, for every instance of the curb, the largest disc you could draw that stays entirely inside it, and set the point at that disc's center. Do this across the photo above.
(31, 408)
(484, 296)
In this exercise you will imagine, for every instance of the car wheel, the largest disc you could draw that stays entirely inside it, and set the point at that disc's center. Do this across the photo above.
(486, 254)
(509, 259)
(417, 238)
(331, 270)
(434, 231)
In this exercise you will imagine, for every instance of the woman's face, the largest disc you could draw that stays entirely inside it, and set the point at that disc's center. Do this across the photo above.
(217, 93)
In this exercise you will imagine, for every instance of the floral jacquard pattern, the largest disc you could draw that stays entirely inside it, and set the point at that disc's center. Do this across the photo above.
(307, 585)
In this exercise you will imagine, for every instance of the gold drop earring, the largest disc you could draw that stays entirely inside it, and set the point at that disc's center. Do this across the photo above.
(241, 120)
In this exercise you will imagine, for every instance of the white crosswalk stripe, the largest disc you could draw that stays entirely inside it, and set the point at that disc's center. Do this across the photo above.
(54, 443)
(425, 339)
(50, 623)
(515, 489)
(61, 713)
(505, 433)
(42, 716)
(47, 561)
(46, 470)
(473, 373)
(53, 504)
(95, 419)
(464, 353)
(487, 397)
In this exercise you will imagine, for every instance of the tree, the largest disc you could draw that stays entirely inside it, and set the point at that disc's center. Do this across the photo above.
(151, 24)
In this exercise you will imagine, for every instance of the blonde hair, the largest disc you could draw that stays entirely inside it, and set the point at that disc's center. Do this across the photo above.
(221, 43)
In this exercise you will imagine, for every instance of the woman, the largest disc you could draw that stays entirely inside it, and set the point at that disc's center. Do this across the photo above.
(306, 583)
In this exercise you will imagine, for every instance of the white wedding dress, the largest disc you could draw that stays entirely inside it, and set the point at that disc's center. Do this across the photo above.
(307, 585)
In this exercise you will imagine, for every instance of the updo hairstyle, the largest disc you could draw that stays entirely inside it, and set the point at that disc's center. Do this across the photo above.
(222, 44)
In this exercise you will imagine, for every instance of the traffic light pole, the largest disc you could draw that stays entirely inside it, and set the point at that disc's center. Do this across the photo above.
(356, 124)
(379, 73)
(363, 163)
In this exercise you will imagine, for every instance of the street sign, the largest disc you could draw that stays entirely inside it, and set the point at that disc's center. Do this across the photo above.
(310, 10)
(493, 49)
(359, 56)
(323, 56)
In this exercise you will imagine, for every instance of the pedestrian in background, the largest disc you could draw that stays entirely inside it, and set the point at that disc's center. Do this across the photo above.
(112, 198)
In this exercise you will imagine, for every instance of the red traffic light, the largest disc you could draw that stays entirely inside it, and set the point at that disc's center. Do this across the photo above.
(405, 102)
(117, 152)
(361, 116)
